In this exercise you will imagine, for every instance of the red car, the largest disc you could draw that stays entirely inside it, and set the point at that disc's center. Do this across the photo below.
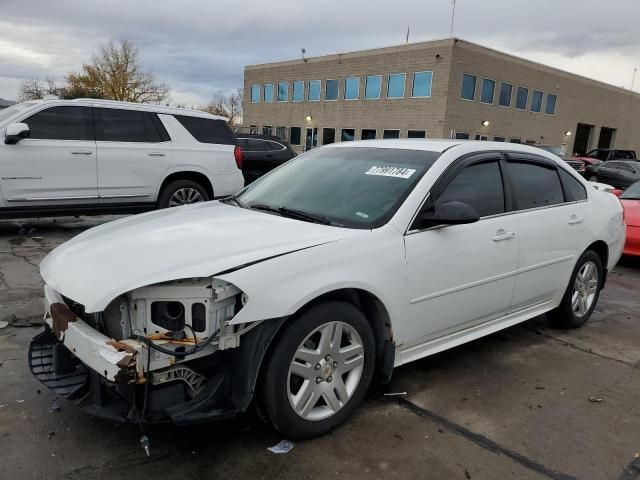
(630, 199)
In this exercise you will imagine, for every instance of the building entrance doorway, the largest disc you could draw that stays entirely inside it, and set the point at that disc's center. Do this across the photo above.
(311, 139)
(582, 143)
(607, 135)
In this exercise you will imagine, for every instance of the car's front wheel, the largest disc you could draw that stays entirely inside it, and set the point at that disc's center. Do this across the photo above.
(182, 192)
(582, 294)
(319, 370)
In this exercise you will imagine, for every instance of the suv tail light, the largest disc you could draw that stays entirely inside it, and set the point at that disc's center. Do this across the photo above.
(239, 156)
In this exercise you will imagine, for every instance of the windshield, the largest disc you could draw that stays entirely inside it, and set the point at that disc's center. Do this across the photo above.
(599, 154)
(632, 193)
(14, 109)
(357, 187)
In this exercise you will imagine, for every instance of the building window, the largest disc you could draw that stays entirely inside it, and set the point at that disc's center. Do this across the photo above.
(368, 134)
(351, 88)
(297, 95)
(536, 101)
(331, 90)
(550, 108)
(295, 136)
(395, 85)
(372, 86)
(267, 130)
(499, 139)
(468, 88)
(505, 95)
(515, 140)
(253, 129)
(530, 142)
(416, 134)
(348, 135)
(283, 91)
(255, 93)
(281, 133)
(522, 96)
(328, 136)
(481, 137)
(421, 84)
(314, 91)
(461, 136)
(268, 92)
(311, 139)
(488, 89)
(391, 134)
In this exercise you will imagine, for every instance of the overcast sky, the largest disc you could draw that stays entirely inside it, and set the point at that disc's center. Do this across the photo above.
(200, 46)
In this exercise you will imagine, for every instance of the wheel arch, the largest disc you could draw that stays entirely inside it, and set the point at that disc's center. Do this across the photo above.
(192, 175)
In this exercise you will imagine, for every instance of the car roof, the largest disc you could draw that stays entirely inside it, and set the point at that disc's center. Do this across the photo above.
(441, 145)
(135, 106)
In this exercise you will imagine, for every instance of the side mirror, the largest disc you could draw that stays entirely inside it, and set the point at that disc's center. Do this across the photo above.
(450, 213)
(16, 132)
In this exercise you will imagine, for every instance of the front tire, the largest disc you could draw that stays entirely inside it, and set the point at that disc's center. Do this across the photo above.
(182, 192)
(582, 294)
(319, 370)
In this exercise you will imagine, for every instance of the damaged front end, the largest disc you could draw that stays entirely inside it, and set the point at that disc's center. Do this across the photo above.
(162, 353)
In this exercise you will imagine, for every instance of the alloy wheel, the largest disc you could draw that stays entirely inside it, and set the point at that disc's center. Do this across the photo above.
(585, 288)
(185, 196)
(325, 371)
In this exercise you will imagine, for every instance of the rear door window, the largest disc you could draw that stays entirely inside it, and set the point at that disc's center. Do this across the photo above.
(478, 185)
(208, 130)
(535, 185)
(118, 125)
(62, 123)
(573, 189)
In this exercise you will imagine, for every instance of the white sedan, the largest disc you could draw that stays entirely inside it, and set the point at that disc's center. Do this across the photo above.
(346, 262)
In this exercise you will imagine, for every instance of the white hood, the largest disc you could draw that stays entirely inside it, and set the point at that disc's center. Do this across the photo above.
(184, 242)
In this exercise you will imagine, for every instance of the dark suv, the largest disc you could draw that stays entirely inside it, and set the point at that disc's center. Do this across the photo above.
(262, 153)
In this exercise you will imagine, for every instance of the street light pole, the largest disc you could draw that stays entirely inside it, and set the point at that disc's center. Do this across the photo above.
(453, 16)
(633, 79)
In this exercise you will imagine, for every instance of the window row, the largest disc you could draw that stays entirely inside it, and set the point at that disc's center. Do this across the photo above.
(505, 95)
(395, 88)
(329, 134)
(495, 138)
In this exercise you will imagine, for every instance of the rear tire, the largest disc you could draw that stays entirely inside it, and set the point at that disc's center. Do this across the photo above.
(318, 371)
(182, 192)
(582, 293)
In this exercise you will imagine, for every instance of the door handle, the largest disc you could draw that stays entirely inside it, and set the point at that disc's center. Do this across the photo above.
(156, 154)
(81, 152)
(574, 220)
(503, 235)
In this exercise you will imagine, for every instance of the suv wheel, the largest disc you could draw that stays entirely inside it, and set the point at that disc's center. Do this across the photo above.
(182, 192)
(319, 370)
(582, 293)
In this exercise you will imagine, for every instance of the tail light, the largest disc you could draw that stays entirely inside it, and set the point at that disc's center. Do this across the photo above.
(239, 156)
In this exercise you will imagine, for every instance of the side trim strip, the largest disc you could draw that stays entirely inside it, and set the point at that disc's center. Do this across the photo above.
(491, 279)
(44, 199)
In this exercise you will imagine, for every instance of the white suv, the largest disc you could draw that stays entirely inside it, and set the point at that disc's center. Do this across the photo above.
(97, 156)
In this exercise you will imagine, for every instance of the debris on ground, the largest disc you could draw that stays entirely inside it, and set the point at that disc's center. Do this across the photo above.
(595, 399)
(13, 320)
(393, 394)
(2, 406)
(283, 447)
(20, 401)
(51, 434)
(4, 324)
(467, 474)
(54, 407)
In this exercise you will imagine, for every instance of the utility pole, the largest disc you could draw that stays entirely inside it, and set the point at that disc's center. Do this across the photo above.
(633, 79)
(407, 34)
(453, 16)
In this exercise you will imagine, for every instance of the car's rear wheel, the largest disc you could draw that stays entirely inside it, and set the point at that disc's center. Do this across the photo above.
(319, 370)
(182, 192)
(582, 293)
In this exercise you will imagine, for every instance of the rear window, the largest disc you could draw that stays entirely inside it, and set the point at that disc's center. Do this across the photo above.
(573, 189)
(207, 130)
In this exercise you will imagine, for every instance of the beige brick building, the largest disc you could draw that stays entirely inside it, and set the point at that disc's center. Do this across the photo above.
(439, 89)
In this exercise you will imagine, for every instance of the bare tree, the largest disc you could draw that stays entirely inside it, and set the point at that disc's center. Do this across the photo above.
(34, 89)
(115, 73)
(227, 105)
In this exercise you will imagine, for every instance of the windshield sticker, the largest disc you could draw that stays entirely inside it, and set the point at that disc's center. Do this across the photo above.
(395, 172)
(363, 215)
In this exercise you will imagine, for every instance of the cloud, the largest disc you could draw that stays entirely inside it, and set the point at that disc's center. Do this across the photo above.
(199, 47)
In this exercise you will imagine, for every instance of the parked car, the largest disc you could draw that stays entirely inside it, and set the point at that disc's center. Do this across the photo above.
(603, 187)
(262, 153)
(577, 164)
(595, 157)
(620, 174)
(349, 260)
(630, 199)
(95, 156)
